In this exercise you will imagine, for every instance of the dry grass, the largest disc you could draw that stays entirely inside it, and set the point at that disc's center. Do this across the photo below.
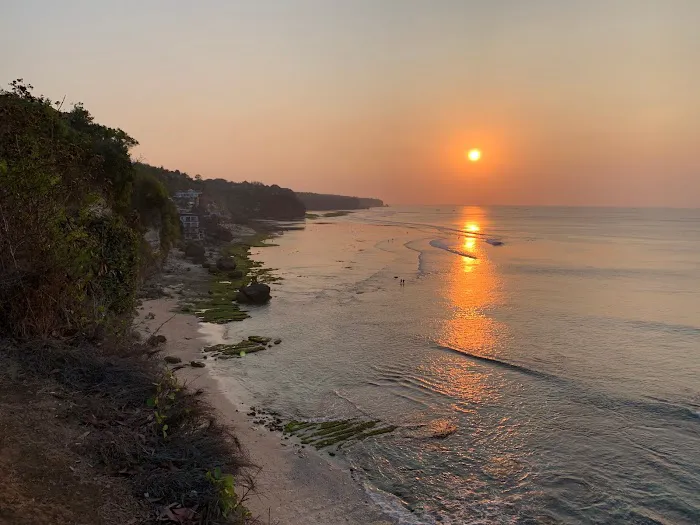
(79, 443)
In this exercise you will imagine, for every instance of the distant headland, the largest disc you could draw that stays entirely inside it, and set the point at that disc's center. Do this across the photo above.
(322, 202)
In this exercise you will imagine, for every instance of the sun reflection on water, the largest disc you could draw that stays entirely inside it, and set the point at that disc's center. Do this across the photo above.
(471, 290)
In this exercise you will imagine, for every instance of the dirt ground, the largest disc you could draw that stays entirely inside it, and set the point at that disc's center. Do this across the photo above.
(43, 477)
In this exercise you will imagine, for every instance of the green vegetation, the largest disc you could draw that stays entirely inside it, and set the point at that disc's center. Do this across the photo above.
(151, 201)
(311, 216)
(336, 433)
(71, 250)
(243, 201)
(73, 211)
(219, 305)
(324, 202)
(254, 343)
(229, 502)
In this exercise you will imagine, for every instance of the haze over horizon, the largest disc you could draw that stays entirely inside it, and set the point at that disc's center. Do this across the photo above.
(571, 103)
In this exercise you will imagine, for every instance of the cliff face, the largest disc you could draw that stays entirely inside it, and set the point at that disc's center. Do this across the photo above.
(321, 202)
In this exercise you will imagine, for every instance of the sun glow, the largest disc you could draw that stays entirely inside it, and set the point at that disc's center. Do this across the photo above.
(473, 228)
(474, 155)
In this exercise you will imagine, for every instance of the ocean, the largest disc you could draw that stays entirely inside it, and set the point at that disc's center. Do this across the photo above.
(542, 364)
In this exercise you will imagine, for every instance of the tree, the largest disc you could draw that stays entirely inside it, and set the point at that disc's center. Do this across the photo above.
(68, 253)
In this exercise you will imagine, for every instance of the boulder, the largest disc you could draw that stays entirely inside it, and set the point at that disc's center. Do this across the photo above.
(256, 293)
(156, 340)
(172, 360)
(225, 264)
(194, 250)
(197, 364)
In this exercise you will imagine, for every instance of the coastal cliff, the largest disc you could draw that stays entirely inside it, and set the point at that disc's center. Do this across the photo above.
(325, 202)
(106, 433)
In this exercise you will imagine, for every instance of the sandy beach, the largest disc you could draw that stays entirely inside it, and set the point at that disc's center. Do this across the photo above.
(293, 485)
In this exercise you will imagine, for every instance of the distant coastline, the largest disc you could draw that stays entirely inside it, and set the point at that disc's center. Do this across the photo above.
(328, 202)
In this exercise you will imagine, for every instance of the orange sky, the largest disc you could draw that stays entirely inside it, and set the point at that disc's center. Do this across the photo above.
(571, 103)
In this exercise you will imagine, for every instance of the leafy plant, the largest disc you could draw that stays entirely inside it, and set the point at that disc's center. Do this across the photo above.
(163, 401)
(226, 488)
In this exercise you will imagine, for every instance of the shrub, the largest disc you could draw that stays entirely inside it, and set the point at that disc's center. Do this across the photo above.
(69, 249)
(155, 209)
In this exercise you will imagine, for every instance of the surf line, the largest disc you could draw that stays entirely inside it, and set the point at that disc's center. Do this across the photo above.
(439, 244)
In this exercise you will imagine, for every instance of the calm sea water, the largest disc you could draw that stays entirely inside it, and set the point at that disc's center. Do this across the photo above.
(552, 379)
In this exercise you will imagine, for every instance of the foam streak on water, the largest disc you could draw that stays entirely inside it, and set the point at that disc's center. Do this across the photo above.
(550, 379)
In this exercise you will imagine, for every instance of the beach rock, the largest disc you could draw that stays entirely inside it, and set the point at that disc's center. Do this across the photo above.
(278, 341)
(156, 340)
(194, 250)
(256, 293)
(225, 264)
(259, 339)
(197, 364)
(172, 360)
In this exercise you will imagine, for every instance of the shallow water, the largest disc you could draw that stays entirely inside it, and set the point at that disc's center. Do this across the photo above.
(552, 379)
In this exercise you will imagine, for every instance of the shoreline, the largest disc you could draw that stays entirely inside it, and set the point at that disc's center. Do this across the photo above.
(293, 485)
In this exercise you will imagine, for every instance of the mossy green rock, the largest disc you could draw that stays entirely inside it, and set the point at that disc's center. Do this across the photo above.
(218, 305)
(227, 351)
(336, 433)
(221, 313)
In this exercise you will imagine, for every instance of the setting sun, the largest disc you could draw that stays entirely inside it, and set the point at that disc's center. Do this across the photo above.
(474, 155)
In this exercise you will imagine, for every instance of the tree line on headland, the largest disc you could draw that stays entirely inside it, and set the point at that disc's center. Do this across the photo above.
(241, 201)
(325, 202)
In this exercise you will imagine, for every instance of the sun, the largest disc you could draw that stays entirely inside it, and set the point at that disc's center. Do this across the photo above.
(474, 155)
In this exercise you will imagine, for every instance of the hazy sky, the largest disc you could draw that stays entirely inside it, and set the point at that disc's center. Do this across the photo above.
(571, 101)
